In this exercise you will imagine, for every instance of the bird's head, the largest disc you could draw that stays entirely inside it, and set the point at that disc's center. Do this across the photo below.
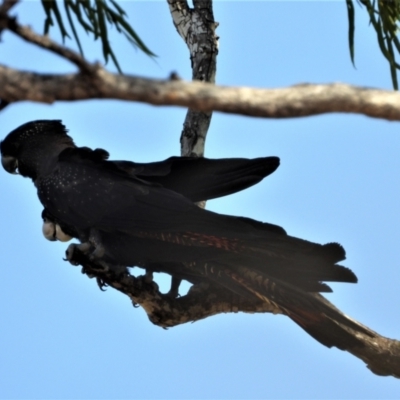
(28, 149)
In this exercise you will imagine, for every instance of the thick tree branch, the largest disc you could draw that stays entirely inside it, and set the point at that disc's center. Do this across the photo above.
(296, 101)
(97, 83)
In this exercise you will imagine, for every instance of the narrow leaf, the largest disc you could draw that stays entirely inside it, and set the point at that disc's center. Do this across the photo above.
(71, 24)
(351, 19)
(393, 70)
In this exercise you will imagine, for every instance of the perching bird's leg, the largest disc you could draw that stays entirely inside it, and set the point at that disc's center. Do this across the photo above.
(97, 253)
(82, 247)
(148, 276)
(174, 290)
(98, 249)
(92, 248)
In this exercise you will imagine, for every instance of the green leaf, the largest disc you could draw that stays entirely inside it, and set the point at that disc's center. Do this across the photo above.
(75, 8)
(393, 70)
(385, 16)
(103, 30)
(59, 19)
(351, 19)
(48, 21)
(71, 23)
(120, 10)
(95, 17)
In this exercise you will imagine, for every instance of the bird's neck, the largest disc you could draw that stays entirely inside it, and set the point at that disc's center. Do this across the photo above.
(41, 162)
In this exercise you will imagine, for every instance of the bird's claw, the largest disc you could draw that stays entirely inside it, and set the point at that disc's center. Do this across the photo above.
(70, 253)
(101, 284)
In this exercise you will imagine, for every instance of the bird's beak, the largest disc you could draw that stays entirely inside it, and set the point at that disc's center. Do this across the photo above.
(10, 164)
(61, 235)
(49, 230)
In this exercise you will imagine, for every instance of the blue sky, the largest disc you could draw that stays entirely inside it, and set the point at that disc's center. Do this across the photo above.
(61, 337)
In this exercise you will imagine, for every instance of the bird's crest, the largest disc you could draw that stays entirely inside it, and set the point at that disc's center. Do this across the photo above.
(30, 129)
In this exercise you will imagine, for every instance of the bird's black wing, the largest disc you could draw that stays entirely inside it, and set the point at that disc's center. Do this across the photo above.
(202, 178)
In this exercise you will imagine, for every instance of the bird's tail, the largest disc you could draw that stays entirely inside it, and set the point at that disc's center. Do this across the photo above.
(311, 311)
(267, 248)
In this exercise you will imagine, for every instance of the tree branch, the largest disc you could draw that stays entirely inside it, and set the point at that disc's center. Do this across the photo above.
(197, 28)
(94, 82)
(7, 5)
(296, 101)
(44, 42)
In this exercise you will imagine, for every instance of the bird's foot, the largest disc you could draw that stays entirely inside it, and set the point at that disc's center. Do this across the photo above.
(94, 254)
(72, 249)
(174, 290)
(97, 254)
(148, 276)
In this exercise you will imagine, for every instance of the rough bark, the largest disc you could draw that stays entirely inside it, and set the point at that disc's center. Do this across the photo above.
(295, 101)
(197, 28)
(94, 82)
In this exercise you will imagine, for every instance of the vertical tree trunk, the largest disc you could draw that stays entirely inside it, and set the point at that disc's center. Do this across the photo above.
(197, 27)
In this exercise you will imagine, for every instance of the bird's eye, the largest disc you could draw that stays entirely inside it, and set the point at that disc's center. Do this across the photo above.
(16, 167)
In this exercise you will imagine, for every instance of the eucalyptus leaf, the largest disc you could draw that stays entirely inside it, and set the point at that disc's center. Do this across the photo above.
(385, 18)
(351, 19)
(95, 17)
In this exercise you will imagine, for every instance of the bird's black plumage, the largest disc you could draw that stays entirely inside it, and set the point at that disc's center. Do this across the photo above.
(129, 214)
(201, 178)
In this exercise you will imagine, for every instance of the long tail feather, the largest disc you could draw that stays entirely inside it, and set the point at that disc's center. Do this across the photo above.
(310, 311)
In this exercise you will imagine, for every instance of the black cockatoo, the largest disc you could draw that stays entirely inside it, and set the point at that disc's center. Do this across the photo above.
(129, 218)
